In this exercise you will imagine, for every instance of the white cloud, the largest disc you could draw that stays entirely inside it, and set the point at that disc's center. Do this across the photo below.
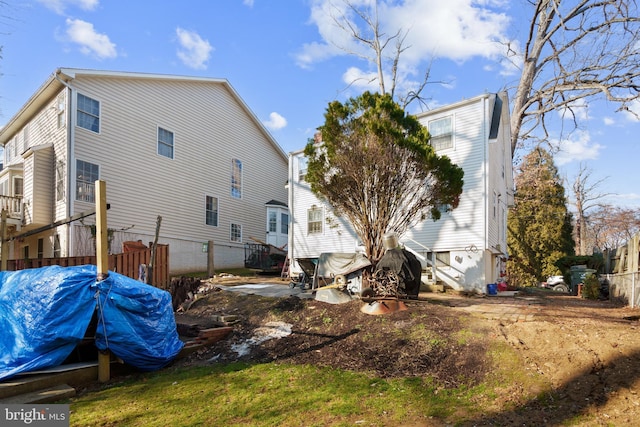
(90, 41)
(59, 6)
(455, 29)
(633, 114)
(275, 122)
(195, 51)
(248, 3)
(608, 121)
(361, 79)
(578, 147)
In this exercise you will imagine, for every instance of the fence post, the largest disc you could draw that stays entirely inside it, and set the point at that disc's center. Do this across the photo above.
(210, 267)
(4, 247)
(102, 263)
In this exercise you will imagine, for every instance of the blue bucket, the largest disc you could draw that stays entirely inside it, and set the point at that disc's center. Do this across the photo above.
(492, 289)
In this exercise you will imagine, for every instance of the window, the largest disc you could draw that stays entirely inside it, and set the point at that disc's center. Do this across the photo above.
(314, 220)
(56, 246)
(165, 143)
(61, 106)
(236, 233)
(236, 178)
(59, 180)
(302, 168)
(88, 113)
(40, 248)
(86, 176)
(284, 223)
(443, 259)
(18, 185)
(441, 133)
(211, 211)
(273, 221)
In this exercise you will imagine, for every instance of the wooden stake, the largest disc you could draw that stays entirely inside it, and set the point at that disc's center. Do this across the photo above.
(210, 267)
(102, 261)
(4, 248)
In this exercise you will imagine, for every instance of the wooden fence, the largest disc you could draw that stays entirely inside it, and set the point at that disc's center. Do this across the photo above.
(128, 264)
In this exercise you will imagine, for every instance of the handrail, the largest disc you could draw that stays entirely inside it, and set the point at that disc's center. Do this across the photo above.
(13, 205)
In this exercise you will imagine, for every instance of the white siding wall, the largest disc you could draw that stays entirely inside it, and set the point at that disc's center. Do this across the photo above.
(464, 231)
(210, 128)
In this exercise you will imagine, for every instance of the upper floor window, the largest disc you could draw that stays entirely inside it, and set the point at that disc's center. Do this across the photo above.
(86, 176)
(61, 107)
(88, 113)
(314, 220)
(302, 167)
(211, 211)
(236, 178)
(18, 186)
(165, 143)
(441, 131)
(236, 233)
(59, 180)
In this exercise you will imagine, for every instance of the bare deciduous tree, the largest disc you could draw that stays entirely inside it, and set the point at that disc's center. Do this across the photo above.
(365, 30)
(586, 198)
(574, 51)
(611, 227)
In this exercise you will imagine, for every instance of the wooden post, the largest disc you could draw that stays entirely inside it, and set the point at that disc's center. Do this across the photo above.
(102, 262)
(154, 246)
(4, 247)
(210, 270)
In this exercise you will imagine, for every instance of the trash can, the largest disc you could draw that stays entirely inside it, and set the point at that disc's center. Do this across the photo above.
(578, 274)
(492, 289)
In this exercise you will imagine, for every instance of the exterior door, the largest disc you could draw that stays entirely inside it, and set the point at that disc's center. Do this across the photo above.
(277, 226)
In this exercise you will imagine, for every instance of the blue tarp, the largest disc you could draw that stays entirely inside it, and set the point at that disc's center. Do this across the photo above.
(45, 312)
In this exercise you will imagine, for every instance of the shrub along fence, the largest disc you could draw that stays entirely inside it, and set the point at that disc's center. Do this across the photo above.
(131, 264)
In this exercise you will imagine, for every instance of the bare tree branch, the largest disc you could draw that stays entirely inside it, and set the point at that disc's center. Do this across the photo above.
(575, 50)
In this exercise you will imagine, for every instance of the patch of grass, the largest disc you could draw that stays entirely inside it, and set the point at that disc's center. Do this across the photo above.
(266, 395)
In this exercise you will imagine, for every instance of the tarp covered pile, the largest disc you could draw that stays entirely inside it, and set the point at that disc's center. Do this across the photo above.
(45, 312)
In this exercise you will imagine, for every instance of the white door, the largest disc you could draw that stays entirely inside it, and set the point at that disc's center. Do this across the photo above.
(277, 226)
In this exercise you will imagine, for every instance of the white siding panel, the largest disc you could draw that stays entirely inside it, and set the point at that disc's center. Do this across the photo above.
(210, 128)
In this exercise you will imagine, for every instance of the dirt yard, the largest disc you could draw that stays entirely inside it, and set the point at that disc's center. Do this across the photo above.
(582, 357)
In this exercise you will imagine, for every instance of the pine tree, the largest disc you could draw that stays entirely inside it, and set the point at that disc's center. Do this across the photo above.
(539, 224)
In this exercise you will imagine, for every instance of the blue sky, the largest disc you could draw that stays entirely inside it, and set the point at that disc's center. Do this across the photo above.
(287, 61)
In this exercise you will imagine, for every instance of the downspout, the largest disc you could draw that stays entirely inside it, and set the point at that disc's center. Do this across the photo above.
(69, 167)
(485, 174)
(292, 222)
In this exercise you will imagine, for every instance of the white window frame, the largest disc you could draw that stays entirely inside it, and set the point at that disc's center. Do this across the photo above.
(303, 165)
(84, 184)
(235, 232)
(165, 144)
(237, 170)
(215, 211)
(92, 114)
(441, 138)
(315, 225)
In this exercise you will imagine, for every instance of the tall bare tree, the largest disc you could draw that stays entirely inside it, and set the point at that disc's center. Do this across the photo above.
(575, 50)
(382, 50)
(586, 198)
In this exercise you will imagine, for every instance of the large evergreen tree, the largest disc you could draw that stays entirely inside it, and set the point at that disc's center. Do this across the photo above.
(539, 224)
(375, 166)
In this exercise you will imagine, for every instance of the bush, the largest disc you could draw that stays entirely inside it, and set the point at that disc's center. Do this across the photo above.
(591, 287)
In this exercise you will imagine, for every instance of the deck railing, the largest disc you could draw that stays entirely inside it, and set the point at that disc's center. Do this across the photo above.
(13, 206)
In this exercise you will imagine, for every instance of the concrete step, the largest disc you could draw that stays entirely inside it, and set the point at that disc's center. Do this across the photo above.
(48, 395)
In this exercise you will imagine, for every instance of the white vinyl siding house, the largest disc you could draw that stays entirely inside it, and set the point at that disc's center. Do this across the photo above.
(468, 244)
(158, 158)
